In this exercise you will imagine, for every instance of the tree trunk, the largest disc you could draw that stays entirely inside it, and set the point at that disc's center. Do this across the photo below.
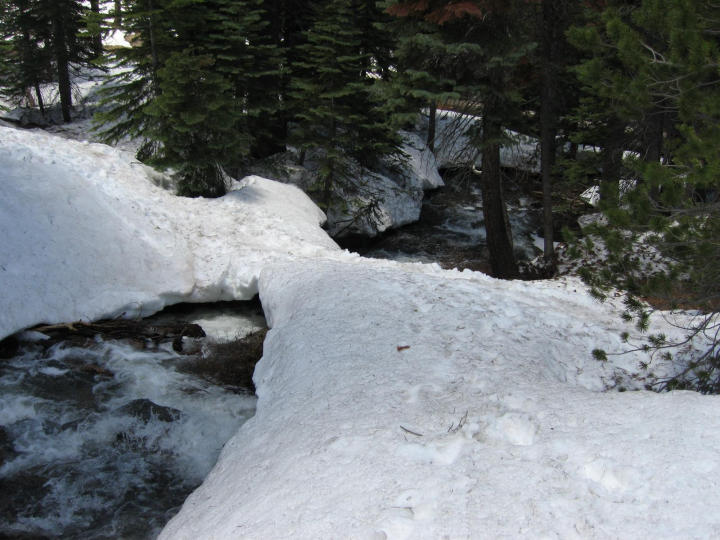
(97, 38)
(153, 47)
(27, 46)
(499, 236)
(548, 127)
(117, 23)
(432, 125)
(61, 59)
(329, 180)
(40, 101)
(612, 156)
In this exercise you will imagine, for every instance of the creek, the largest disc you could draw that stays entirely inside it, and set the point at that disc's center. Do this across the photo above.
(106, 438)
(451, 231)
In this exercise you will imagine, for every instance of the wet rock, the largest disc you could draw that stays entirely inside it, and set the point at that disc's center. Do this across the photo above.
(145, 410)
(75, 386)
(7, 449)
(9, 347)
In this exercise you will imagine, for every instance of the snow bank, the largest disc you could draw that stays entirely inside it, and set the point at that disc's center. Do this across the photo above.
(378, 202)
(371, 202)
(88, 235)
(399, 401)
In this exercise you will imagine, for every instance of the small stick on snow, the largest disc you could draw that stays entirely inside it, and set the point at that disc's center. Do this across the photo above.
(406, 430)
(460, 424)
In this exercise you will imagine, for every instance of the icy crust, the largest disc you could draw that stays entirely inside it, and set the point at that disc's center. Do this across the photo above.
(399, 401)
(88, 235)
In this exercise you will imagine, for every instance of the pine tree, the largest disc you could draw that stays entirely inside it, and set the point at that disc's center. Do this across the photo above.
(210, 68)
(483, 45)
(336, 111)
(557, 94)
(93, 26)
(672, 50)
(44, 33)
(134, 83)
(199, 116)
(615, 100)
(197, 136)
(423, 75)
(26, 62)
(261, 78)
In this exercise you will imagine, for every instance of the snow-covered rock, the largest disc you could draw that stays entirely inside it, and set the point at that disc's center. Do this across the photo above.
(453, 148)
(87, 234)
(372, 201)
(422, 168)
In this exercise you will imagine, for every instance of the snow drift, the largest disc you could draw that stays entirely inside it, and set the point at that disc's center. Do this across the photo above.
(88, 235)
(370, 202)
(398, 401)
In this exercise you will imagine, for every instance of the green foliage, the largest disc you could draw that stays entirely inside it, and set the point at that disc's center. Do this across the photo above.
(337, 112)
(197, 136)
(25, 62)
(659, 60)
(38, 40)
(196, 85)
(134, 82)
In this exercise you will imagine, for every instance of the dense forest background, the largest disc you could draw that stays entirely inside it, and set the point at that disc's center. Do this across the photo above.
(210, 86)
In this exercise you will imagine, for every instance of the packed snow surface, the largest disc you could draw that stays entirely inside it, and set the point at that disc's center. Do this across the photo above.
(394, 400)
(400, 402)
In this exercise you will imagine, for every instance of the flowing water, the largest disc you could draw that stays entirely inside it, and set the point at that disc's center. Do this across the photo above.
(451, 231)
(106, 440)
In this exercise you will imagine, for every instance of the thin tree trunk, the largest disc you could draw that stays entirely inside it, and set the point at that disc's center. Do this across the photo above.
(61, 59)
(653, 142)
(40, 101)
(499, 236)
(117, 23)
(548, 132)
(548, 129)
(153, 45)
(432, 125)
(328, 181)
(27, 46)
(612, 156)
(97, 39)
